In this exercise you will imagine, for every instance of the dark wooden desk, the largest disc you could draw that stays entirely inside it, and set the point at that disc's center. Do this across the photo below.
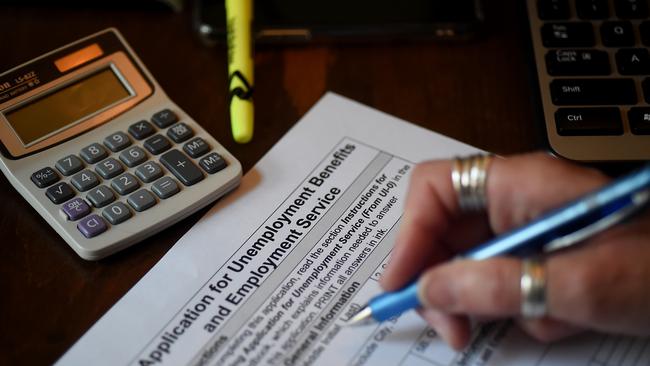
(476, 92)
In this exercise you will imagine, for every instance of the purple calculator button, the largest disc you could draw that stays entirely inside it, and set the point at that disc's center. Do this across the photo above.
(75, 209)
(92, 225)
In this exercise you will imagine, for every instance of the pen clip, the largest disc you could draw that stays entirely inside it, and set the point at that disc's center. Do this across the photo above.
(639, 200)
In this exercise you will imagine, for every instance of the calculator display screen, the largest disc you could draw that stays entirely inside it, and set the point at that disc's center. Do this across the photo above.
(68, 105)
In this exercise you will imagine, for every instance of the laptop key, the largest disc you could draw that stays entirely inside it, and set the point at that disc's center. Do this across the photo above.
(639, 118)
(617, 34)
(588, 121)
(631, 9)
(593, 91)
(592, 9)
(576, 34)
(577, 62)
(553, 9)
(633, 61)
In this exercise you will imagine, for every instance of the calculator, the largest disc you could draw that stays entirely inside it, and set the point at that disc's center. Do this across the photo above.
(94, 144)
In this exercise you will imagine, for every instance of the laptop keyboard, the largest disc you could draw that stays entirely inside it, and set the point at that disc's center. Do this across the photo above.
(593, 69)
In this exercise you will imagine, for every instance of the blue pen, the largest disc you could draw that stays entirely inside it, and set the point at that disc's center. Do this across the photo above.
(557, 229)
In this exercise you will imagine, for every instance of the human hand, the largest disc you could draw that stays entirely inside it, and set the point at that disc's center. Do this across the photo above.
(603, 285)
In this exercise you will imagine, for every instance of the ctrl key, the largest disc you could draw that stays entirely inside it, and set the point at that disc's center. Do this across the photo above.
(91, 226)
(588, 121)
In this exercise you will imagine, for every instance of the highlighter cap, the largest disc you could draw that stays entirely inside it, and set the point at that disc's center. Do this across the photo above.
(241, 119)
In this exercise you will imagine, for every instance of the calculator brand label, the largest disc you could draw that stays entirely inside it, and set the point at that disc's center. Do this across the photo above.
(18, 85)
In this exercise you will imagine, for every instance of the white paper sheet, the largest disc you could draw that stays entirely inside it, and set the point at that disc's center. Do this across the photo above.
(273, 271)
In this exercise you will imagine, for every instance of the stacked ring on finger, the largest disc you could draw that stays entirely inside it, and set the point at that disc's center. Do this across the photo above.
(469, 177)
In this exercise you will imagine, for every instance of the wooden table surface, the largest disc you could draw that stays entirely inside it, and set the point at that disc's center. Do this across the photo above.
(476, 92)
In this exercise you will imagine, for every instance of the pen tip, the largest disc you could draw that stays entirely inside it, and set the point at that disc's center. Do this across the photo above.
(363, 317)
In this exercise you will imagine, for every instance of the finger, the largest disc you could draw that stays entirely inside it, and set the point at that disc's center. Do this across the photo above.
(548, 330)
(427, 214)
(488, 288)
(603, 283)
(454, 330)
(523, 187)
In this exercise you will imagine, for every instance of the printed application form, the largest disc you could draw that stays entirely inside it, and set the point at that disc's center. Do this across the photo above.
(272, 273)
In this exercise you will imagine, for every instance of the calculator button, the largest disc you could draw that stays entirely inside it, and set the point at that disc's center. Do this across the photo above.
(59, 192)
(125, 184)
(141, 129)
(69, 165)
(133, 156)
(141, 200)
(75, 209)
(117, 213)
(179, 132)
(84, 180)
(109, 168)
(93, 153)
(196, 147)
(91, 226)
(117, 141)
(164, 118)
(44, 177)
(100, 196)
(639, 120)
(157, 144)
(149, 171)
(182, 167)
(212, 163)
(165, 187)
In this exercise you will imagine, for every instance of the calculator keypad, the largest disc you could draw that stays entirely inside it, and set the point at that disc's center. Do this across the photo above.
(133, 156)
(196, 147)
(117, 141)
(44, 177)
(93, 153)
(69, 165)
(115, 191)
(149, 171)
(75, 209)
(109, 168)
(165, 187)
(157, 144)
(100, 196)
(182, 167)
(125, 184)
(141, 200)
(141, 130)
(84, 180)
(179, 132)
(91, 226)
(164, 118)
(59, 192)
(117, 213)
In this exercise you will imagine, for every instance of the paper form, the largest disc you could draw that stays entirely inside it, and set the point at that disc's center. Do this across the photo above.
(271, 274)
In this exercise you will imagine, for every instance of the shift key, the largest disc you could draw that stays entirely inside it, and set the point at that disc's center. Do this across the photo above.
(182, 167)
(588, 121)
(593, 91)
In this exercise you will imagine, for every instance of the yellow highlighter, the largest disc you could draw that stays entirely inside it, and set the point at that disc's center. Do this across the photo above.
(239, 16)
